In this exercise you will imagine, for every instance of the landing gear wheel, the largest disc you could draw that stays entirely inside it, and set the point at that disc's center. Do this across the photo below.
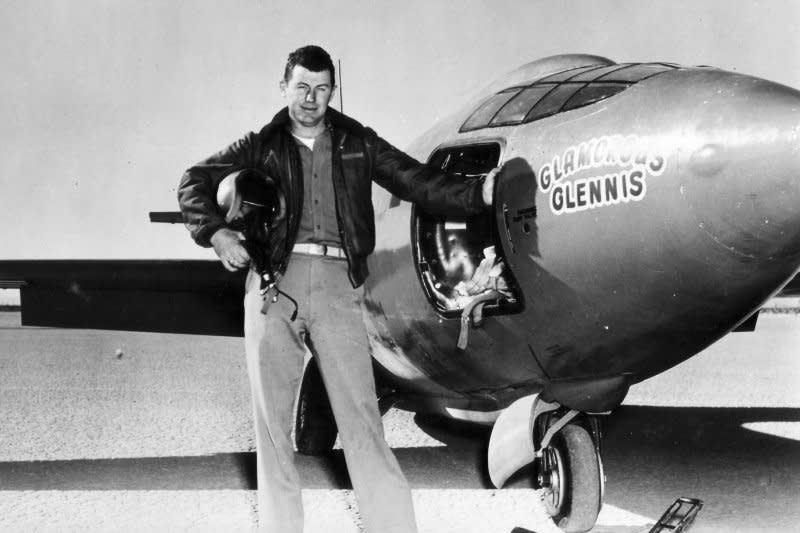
(314, 427)
(570, 474)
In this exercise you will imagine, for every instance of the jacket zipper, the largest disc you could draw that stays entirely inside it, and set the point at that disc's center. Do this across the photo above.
(293, 185)
(345, 244)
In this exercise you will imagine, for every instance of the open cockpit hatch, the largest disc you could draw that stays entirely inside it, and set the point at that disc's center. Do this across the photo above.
(448, 251)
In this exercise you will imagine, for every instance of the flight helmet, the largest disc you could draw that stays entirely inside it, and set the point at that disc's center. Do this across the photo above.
(249, 192)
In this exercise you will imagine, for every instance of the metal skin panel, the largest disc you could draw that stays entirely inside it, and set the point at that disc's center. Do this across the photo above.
(613, 294)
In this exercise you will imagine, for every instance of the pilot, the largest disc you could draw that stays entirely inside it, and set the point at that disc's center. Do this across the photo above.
(324, 164)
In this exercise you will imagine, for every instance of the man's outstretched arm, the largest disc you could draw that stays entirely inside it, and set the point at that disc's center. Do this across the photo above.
(435, 191)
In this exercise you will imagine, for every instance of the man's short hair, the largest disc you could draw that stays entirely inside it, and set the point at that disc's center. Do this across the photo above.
(312, 57)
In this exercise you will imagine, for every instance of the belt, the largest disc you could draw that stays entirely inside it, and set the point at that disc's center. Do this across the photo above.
(310, 248)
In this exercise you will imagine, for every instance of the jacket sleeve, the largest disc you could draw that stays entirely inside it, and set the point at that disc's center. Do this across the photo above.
(433, 190)
(198, 188)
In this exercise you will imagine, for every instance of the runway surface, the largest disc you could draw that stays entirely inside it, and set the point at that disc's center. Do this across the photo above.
(114, 431)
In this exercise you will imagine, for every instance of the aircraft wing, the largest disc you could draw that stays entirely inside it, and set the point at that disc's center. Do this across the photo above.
(165, 296)
(169, 296)
(791, 289)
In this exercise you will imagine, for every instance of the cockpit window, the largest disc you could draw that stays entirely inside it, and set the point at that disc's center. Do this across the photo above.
(559, 92)
(515, 110)
(593, 75)
(634, 73)
(552, 103)
(590, 94)
(481, 116)
(566, 74)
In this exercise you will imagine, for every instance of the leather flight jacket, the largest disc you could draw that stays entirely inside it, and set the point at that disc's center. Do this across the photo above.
(360, 157)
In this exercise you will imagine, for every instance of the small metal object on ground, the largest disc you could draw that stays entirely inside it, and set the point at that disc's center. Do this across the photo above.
(679, 516)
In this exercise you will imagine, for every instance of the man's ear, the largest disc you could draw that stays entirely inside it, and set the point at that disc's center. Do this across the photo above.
(282, 85)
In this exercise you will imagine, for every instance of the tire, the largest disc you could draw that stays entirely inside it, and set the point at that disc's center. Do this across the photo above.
(314, 428)
(575, 462)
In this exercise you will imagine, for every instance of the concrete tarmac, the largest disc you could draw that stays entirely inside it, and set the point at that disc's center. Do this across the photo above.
(115, 431)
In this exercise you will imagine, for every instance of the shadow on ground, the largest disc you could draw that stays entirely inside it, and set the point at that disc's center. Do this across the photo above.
(651, 456)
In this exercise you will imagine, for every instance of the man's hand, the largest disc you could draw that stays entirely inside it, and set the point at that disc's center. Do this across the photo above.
(488, 185)
(227, 244)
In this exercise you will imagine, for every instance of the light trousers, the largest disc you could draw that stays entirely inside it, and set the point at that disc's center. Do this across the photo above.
(330, 323)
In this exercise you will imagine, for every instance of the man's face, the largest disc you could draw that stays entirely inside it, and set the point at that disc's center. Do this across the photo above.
(308, 94)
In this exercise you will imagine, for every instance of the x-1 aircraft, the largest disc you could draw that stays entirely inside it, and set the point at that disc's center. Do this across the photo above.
(644, 211)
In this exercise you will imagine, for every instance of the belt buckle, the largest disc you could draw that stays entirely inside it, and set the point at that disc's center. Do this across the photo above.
(313, 248)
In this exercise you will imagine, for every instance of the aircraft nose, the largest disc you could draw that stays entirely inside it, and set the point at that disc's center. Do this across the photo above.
(742, 169)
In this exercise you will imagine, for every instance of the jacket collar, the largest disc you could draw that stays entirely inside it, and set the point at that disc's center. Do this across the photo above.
(339, 122)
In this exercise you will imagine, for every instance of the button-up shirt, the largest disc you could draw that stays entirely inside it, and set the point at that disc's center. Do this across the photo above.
(318, 222)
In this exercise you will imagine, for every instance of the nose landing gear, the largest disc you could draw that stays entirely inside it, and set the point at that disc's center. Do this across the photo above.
(549, 476)
(570, 474)
(563, 447)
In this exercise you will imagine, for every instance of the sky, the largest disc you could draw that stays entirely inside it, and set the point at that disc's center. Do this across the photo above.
(104, 103)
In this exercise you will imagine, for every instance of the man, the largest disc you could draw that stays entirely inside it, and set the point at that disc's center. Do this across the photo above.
(324, 163)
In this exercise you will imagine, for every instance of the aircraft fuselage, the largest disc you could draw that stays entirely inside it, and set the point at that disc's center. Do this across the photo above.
(639, 230)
